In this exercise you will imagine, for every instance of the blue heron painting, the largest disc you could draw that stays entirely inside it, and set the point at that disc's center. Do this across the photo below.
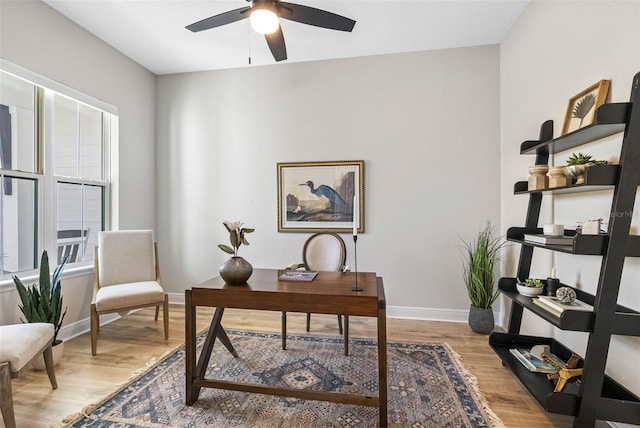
(337, 204)
(318, 196)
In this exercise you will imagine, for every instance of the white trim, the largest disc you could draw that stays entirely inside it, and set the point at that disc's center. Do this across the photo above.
(83, 326)
(401, 312)
(176, 298)
(25, 74)
(429, 314)
(32, 277)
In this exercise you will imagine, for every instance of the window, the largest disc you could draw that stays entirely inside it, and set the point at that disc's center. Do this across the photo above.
(53, 173)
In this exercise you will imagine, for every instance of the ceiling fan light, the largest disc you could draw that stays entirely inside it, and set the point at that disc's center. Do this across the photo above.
(264, 21)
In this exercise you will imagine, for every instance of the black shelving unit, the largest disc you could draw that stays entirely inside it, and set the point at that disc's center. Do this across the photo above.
(597, 396)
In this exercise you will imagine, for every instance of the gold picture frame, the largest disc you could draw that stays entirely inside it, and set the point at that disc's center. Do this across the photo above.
(582, 107)
(321, 196)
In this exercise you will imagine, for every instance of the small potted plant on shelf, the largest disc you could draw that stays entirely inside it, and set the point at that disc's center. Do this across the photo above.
(480, 261)
(42, 302)
(577, 164)
(530, 287)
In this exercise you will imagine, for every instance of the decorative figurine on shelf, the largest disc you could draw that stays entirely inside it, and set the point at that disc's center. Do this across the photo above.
(553, 283)
(568, 373)
(566, 294)
(538, 180)
(591, 227)
(557, 177)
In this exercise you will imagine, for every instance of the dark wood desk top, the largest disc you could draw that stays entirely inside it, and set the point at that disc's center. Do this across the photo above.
(329, 292)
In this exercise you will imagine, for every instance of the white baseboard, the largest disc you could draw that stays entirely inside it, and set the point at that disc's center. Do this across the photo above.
(82, 326)
(176, 298)
(400, 312)
(430, 314)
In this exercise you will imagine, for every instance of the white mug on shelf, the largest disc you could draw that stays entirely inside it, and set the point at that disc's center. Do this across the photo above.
(553, 229)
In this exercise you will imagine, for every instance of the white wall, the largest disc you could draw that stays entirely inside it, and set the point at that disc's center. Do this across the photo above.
(36, 37)
(426, 125)
(554, 51)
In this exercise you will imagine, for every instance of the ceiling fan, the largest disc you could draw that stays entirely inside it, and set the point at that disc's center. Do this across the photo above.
(264, 16)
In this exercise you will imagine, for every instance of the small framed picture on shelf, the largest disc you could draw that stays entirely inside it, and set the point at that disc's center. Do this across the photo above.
(582, 107)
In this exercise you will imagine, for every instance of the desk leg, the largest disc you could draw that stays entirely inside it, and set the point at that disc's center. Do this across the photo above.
(192, 392)
(382, 365)
(283, 317)
(214, 331)
(346, 335)
(222, 335)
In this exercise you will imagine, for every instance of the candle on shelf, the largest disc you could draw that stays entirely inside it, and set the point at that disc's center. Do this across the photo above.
(553, 272)
(355, 215)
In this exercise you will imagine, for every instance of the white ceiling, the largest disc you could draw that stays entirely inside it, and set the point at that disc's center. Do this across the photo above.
(152, 32)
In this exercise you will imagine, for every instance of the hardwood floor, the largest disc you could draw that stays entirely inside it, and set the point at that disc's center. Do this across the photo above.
(127, 345)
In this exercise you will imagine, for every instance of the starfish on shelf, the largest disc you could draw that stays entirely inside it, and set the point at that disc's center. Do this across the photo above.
(564, 374)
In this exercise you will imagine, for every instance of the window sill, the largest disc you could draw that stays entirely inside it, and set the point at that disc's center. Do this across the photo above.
(6, 284)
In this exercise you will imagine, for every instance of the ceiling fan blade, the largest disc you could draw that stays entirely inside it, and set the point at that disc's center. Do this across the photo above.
(220, 20)
(316, 17)
(275, 41)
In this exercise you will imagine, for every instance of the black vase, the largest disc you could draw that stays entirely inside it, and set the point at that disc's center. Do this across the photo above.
(552, 286)
(236, 271)
(481, 320)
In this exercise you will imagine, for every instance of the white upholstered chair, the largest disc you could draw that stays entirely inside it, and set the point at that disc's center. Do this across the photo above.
(321, 252)
(19, 344)
(126, 276)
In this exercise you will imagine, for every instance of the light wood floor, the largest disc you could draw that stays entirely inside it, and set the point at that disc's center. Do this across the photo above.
(125, 346)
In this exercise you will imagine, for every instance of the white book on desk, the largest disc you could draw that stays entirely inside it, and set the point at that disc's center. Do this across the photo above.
(548, 240)
(554, 305)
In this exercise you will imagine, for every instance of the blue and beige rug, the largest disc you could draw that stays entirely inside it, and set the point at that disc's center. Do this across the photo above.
(428, 387)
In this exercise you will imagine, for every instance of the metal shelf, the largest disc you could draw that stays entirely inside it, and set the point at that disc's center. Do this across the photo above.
(609, 119)
(596, 177)
(616, 403)
(589, 245)
(626, 321)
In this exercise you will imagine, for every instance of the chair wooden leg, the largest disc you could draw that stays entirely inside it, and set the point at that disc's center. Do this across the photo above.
(165, 316)
(284, 330)
(340, 323)
(48, 363)
(308, 322)
(95, 322)
(157, 311)
(6, 396)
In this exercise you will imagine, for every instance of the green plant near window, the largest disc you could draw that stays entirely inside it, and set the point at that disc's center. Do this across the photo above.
(480, 261)
(42, 302)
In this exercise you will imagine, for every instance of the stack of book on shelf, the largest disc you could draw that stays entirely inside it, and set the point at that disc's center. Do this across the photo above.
(556, 307)
(533, 363)
(548, 240)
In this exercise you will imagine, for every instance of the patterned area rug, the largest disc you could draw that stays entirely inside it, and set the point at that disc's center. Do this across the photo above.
(428, 387)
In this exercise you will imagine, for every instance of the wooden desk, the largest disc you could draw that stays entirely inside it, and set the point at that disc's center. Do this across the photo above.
(328, 293)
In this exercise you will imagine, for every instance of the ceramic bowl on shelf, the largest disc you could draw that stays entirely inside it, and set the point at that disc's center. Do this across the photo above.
(529, 291)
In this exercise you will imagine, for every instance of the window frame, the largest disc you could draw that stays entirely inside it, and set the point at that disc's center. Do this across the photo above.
(46, 183)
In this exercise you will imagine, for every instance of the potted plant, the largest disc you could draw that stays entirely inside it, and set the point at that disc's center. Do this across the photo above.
(480, 259)
(42, 302)
(530, 287)
(577, 165)
(236, 270)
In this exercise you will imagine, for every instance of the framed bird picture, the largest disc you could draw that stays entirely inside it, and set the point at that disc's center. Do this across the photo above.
(325, 196)
(582, 107)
